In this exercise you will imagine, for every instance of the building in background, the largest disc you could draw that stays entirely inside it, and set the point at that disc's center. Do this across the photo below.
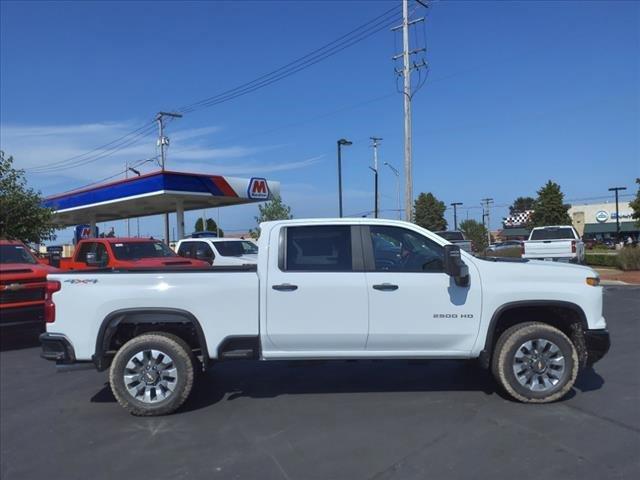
(597, 221)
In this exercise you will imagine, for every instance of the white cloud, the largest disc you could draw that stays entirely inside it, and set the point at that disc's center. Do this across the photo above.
(44, 149)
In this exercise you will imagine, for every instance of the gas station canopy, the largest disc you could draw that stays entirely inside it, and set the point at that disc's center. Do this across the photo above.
(156, 193)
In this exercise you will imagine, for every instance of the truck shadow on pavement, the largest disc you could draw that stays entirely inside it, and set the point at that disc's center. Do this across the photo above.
(232, 380)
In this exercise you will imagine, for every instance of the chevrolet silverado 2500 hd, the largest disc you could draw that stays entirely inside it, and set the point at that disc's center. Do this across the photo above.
(331, 289)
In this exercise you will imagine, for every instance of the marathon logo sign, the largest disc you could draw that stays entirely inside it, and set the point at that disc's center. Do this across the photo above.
(84, 231)
(258, 189)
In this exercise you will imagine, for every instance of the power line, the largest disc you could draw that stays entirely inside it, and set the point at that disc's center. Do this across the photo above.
(330, 49)
(114, 144)
(136, 163)
(65, 165)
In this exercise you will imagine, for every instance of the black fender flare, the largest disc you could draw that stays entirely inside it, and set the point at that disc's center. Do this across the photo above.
(143, 315)
(486, 353)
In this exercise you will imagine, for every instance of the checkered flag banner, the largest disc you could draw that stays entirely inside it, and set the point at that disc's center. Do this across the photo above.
(518, 219)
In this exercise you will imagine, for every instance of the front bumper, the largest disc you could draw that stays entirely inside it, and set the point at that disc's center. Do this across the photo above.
(11, 316)
(56, 347)
(597, 343)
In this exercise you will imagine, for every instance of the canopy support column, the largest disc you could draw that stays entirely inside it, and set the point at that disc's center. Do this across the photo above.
(180, 219)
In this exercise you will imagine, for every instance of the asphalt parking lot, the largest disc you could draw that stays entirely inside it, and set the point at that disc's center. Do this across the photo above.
(329, 420)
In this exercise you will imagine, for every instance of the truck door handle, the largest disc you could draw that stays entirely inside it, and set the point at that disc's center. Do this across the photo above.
(285, 287)
(386, 287)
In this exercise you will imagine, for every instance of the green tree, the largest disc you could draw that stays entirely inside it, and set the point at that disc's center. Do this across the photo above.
(429, 212)
(477, 233)
(22, 216)
(549, 208)
(635, 205)
(274, 209)
(211, 226)
(522, 204)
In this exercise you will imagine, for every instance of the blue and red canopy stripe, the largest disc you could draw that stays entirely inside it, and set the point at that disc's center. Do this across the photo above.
(153, 182)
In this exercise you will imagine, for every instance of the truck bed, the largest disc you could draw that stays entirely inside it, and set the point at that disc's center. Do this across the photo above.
(224, 300)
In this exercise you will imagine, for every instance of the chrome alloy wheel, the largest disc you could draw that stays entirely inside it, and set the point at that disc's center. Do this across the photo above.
(150, 376)
(538, 365)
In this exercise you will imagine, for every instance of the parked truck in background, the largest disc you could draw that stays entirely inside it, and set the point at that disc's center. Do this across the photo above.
(118, 253)
(457, 238)
(331, 289)
(223, 251)
(554, 243)
(23, 287)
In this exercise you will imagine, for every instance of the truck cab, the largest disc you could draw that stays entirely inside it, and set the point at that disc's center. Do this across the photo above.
(119, 253)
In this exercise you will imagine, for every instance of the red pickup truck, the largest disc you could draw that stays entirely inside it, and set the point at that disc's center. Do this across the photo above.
(23, 286)
(126, 253)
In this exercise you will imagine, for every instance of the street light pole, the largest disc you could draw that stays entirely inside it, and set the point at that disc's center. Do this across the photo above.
(616, 189)
(341, 142)
(397, 174)
(455, 214)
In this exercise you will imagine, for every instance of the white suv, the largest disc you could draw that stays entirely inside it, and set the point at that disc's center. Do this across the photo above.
(222, 252)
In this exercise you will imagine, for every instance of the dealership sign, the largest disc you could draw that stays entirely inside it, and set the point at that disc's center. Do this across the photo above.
(258, 189)
(602, 216)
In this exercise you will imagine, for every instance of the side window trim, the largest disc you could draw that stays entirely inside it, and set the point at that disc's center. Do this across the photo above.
(367, 249)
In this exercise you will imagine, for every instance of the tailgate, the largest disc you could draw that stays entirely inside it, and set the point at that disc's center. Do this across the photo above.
(548, 248)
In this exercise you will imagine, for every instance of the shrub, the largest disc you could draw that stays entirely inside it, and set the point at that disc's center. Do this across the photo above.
(629, 258)
(601, 260)
(515, 252)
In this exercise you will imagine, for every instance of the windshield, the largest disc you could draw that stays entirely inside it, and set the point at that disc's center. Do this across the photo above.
(236, 249)
(137, 250)
(552, 234)
(451, 236)
(16, 254)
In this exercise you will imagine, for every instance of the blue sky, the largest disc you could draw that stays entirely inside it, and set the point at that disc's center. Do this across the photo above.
(517, 93)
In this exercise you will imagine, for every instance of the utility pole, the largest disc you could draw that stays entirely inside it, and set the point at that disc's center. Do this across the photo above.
(163, 142)
(376, 202)
(616, 190)
(407, 94)
(487, 211)
(455, 214)
(397, 174)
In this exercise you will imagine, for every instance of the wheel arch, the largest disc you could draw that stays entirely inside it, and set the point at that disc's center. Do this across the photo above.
(503, 317)
(144, 316)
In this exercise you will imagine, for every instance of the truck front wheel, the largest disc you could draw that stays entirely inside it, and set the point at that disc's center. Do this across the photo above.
(535, 363)
(152, 374)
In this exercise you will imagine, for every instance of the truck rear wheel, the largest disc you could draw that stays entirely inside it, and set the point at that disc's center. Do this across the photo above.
(535, 363)
(152, 374)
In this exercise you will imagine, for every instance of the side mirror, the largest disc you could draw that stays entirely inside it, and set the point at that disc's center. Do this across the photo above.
(454, 266)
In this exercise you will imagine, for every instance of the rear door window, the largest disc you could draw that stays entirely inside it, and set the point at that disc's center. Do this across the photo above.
(323, 248)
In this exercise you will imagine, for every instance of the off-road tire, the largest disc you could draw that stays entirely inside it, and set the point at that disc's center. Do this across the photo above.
(503, 358)
(183, 361)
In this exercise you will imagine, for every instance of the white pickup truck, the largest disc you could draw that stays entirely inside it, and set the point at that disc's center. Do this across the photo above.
(555, 243)
(221, 252)
(330, 289)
